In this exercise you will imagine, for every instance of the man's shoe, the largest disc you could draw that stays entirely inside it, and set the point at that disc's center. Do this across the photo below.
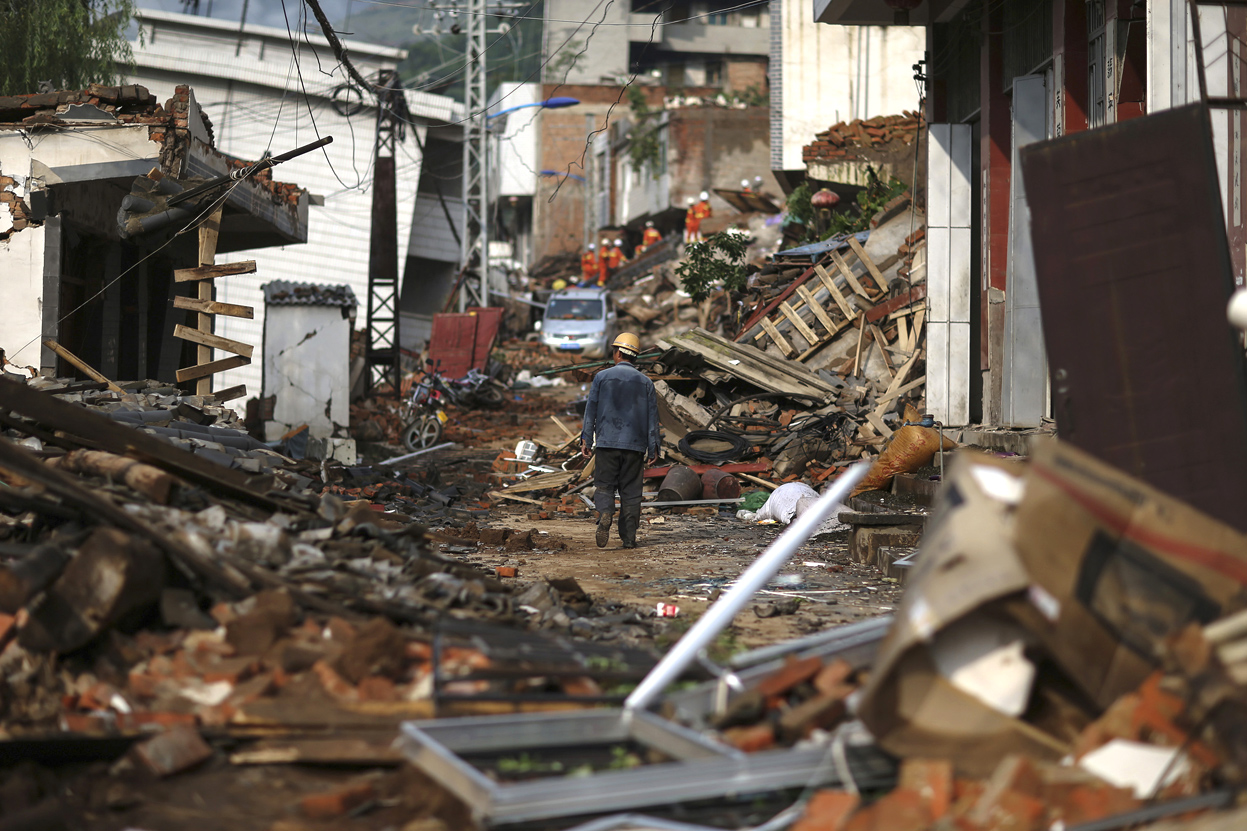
(604, 530)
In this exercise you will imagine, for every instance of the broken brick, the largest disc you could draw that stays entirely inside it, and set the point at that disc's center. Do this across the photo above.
(827, 811)
(750, 739)
(177, 749)
(833, 676)
(337, 802)
(932, 779)
(507, 571)
(378, 648)
(792, 673)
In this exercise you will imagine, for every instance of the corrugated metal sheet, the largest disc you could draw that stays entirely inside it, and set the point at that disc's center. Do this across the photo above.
(1134, 277)
(453, 343)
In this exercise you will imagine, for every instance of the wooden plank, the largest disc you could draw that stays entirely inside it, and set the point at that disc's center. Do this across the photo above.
(209, 272)
(798, 324)
(888, 306)
(778, 339)
(906, 312)
(892, 392)
(869, 263)
(212, 307)
(106, 434)
(849, 276)
(230, 394)
(190, 373)
(524, 499)
(209, 232)
(211, 341)
(888, 398)
(876, 421)
(882, 342)
(759, 481)
(817, 309)
(861, 336)
(835, 292)
(842, 325)
(902, 335)
(90, 371)
(564, 428)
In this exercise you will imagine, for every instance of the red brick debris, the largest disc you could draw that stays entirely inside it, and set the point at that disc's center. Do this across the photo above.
(840, 141)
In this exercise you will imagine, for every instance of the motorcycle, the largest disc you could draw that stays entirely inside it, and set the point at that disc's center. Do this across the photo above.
(423, 415)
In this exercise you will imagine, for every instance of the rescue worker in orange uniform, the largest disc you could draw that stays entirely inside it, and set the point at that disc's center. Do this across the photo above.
(651, 235)
(701, 211)
(690, 219)
(604, 262)
(617, 257)
(588, 265)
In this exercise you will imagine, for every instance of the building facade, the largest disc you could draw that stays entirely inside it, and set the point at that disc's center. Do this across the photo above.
(1001, 75)
(264, 93)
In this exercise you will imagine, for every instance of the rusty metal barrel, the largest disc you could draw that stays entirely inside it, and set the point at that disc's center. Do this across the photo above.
(715, 484)
(680, 484)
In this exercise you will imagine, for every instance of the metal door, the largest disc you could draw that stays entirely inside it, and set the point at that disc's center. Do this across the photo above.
(1134, 273)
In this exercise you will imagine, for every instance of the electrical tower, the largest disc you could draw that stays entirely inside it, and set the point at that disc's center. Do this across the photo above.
(476, 172)
(382, 354)
(475, 165)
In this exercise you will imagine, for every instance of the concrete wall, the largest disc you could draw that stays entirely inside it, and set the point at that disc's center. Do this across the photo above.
(711, 147)
(515, 158)
(830, 73)
(307, 368)
(21, 325)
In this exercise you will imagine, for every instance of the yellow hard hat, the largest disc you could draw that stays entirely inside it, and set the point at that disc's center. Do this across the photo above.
(558, 284)
(627, 342)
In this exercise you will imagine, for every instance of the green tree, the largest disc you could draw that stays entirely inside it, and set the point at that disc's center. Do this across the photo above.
(718, 260)
(71, 43)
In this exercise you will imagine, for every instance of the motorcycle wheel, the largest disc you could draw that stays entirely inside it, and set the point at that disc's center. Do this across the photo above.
(490, 397)
(425, 431)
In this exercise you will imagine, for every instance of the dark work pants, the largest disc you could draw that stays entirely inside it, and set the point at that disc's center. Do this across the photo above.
(618, 470)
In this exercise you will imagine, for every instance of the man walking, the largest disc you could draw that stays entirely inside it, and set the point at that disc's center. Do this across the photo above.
(621, 423)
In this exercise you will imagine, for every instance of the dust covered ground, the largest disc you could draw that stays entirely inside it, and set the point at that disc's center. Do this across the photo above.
(680, 559)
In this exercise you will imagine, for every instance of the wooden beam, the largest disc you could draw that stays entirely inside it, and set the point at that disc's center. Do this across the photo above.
(876, 421)
(209, 232)
(212, 307)
(778, 339)
(212, 341)
(869, 263)
(88, 370)
(230, 394)
(819, 311)
(190, 373)
(798, 324)
(888, 306)
(861, 336)
(210, 272)
(849, 276)
(882, 342)
(835, 292)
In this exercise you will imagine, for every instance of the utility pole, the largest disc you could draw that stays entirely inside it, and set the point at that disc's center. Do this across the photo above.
(475, 163)
(382, 353)
(476, 173)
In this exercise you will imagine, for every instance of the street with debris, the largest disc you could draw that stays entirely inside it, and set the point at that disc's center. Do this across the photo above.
(771, 416)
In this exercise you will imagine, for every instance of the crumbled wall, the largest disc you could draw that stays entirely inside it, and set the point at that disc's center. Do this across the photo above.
(307, 369)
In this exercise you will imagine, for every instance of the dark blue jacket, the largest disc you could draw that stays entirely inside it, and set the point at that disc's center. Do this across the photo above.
(622, 411)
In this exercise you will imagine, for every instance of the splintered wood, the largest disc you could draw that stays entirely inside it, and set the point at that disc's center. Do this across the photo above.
(205, 306)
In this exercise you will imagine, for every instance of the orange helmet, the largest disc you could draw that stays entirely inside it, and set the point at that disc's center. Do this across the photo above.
(627, 343)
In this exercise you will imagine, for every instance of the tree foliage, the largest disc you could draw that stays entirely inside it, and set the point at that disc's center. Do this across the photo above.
(645, 149)
(720, 259)
(70, 43)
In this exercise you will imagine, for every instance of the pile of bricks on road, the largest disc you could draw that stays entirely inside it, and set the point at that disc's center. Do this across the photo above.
(840, 140)
(162, 577)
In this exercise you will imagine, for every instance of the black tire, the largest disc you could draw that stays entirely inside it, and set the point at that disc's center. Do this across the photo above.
(425, 431)
(490, 397)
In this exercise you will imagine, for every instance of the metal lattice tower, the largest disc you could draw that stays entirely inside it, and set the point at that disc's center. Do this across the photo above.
(382, 353)
(475, 170)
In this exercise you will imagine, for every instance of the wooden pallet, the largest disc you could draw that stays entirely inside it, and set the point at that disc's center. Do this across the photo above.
(205, 307)
(827, 320)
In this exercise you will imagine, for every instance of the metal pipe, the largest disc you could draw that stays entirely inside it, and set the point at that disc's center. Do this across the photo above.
(755, 577)
(441, 446)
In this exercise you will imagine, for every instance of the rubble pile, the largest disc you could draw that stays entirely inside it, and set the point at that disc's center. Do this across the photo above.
(158, 570)
(842, 140)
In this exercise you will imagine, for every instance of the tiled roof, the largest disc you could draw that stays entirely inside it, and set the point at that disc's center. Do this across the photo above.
(286, 293)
